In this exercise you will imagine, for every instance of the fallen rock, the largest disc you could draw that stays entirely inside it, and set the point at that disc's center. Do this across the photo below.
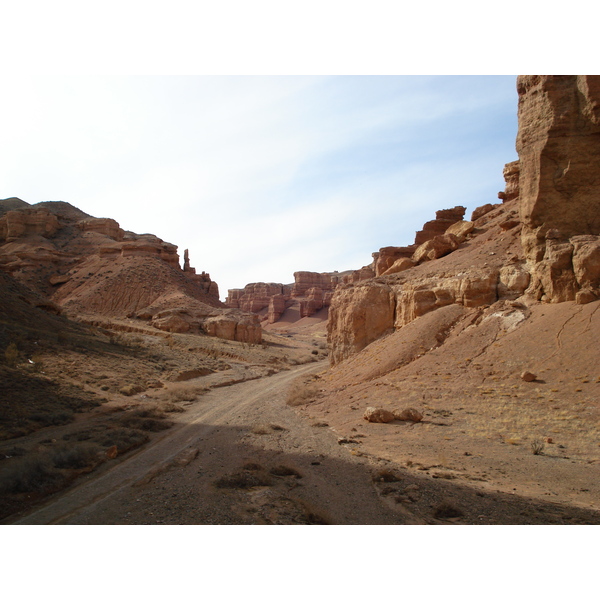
(112, 452)
(131, 390)
(436, 248)
(482, 210)
(528, 376)
(378, 415)
(192, 374)
(402, 264)
(407, 414)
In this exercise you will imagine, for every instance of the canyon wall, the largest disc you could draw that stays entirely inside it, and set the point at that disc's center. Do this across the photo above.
(542, 243)
(88, 266)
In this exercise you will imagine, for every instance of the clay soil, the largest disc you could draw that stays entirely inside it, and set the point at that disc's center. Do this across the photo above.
(271, 435)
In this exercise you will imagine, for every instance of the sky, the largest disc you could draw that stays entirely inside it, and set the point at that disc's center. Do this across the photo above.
(261, 176)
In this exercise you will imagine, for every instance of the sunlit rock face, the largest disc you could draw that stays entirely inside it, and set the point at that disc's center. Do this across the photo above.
(559, 158)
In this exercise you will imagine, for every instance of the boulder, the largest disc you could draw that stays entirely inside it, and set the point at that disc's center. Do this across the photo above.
(436, 248)
(443, 219)
(378, 415)
(402, 264)
(408, 414)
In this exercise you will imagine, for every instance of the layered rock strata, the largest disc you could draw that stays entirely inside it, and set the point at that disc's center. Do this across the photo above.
(89, 266)
(559, 160)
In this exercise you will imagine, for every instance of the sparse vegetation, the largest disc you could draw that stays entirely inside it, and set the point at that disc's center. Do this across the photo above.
(30, 474)
(243, 480)
(386, 476)
(446, 510)
(537, 446)
(11, 354)
(302, 391)
(77, 456)
(284, 471)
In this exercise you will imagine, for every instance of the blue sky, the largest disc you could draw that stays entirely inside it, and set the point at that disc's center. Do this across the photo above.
(261, 176)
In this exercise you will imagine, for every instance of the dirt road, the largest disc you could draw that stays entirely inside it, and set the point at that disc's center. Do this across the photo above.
(173, 480)
(240, 455)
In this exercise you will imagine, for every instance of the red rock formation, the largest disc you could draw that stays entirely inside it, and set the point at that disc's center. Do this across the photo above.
(511, 177)
(24, 222)
(387, 256)
(305, 280)
(91, 266)
(559, 161)
(443, 220)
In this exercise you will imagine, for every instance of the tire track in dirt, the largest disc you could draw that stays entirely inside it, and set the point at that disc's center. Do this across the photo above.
(214, 409)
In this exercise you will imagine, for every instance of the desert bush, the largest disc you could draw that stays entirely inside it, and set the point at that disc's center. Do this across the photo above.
(302, 391)
(11, 354)
(76, 456)
(386, 476)
(48, 419)
(184, 393)
(283, 471)
(29, 474)
(170, 407)
(243, 480)
(123, 438)
(537, 446)
(446, 510)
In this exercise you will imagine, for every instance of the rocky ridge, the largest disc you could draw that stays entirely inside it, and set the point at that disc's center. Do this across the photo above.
(90, 267)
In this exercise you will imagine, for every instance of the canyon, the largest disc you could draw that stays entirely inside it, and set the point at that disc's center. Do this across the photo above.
(485, 328)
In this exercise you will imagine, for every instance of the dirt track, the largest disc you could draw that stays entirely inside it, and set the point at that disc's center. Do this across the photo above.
(242, 456)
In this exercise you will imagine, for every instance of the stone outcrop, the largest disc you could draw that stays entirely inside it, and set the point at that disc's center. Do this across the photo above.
(91, 267)
(359, 315)
(310, 292)
(256, 296)
(443, 220)
(388, 256)
(24, 222)
(559, 163)
(306, 280)
(107, 227)
(511, 177)
(437, 247)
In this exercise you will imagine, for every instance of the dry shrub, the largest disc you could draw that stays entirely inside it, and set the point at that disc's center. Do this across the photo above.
(184, 393)
(77, 456)
(537, 446)
(169, 407)
(243, 480)
(302, 391)
(283, 471)
(386, 476)
(147, 418)
(11, 354)
(266, 428)
(446, 510)
(29, 474)
(123, 438)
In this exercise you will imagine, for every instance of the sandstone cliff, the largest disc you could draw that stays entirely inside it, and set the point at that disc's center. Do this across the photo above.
(89, 266)
(541, 244)
(309, 293)
(559, 156)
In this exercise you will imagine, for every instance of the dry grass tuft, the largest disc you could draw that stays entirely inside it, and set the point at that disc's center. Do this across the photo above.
(243, 480)
(283, 471)
(386, 476)
(302, 391)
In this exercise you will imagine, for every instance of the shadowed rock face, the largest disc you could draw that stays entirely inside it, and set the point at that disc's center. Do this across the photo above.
(559, 154)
